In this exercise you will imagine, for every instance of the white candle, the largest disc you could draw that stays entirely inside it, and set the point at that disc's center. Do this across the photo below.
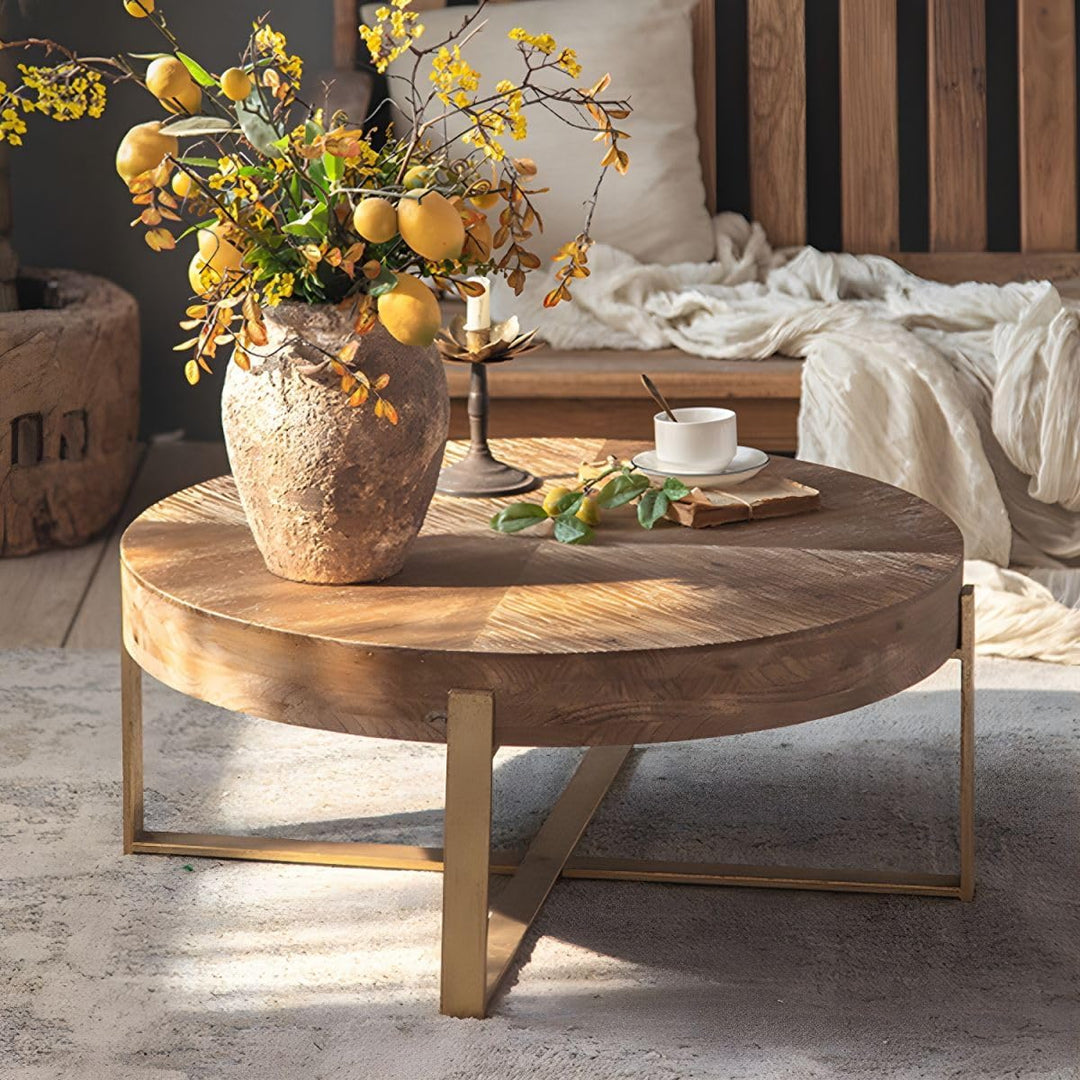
(478, 308)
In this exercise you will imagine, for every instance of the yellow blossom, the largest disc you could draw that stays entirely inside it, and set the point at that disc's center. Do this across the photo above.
(395, 30)
(544, 42)
(67, 91)
(272, 44)
(568, 61)
(279, 287)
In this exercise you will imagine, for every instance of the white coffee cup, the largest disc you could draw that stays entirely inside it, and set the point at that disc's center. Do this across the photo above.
(704, 439)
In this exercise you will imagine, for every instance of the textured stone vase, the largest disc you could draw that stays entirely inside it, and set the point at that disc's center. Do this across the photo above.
(333, 494)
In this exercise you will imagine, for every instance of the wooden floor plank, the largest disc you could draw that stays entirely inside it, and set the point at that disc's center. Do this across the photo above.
(40, 594)
(168, 467)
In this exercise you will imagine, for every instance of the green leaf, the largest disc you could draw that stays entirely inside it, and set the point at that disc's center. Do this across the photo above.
(317, 174)
(334, 167)
(652, 508)
(384, 283)
(201, 162)
(197, 71)
(571, 530)
(675, 489)
(621, 490)
(196, 227)
(310, 225)
(518, 516)
(569, 503)
(148, 55)
(198, 125)
(259, 132)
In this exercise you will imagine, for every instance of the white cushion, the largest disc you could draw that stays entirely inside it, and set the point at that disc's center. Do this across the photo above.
(656, 212)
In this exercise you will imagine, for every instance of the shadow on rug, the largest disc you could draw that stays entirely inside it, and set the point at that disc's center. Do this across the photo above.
(149, 967)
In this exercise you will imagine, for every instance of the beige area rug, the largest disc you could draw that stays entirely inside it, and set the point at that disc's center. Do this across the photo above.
(115, 968)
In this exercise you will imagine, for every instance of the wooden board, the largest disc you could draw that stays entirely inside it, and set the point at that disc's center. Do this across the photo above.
(346, 33)
(777, 88)
(597, 393)
(869, 131)
(769, 495)
(956, 69)
(703, 22)
(609, 373)
(996, 267)
(644, 637)
(1047, 31)
(766, 423)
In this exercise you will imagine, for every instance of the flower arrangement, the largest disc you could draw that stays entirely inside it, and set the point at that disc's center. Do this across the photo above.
(285, 202)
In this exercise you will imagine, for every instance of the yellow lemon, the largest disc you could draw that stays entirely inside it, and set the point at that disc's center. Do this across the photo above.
(198, 269)
(589, 512)
(419, 176)
(143, 148)
(485, 201)
(375, 219)
(182, 184)
(551, 499)
(431, 226)
(138, 9)
(410, 311)
(217, 251)
(478, 241)
(236, 84)
(169, 81)
(188, 101)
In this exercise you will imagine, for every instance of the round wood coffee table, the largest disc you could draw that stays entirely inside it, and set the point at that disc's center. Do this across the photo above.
(650, 636)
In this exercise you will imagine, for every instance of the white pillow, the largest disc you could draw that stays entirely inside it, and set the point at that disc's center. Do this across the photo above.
(656, 212)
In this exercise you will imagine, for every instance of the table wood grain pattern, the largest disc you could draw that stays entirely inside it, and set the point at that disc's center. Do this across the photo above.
(641, 637)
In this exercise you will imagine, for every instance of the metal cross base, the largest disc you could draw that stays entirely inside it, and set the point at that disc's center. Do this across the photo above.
(480, 939)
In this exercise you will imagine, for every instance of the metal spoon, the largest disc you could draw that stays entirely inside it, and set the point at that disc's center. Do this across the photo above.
(658, 397)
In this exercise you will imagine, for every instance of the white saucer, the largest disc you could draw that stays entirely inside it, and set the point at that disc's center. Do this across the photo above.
(747, 462)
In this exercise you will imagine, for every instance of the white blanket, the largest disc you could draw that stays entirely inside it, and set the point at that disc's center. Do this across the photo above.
(967, 395)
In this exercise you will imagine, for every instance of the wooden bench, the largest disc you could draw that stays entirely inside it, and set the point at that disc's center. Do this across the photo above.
(596, 392)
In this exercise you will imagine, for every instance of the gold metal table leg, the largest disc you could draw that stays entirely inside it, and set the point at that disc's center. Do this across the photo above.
(967, 743)
(470, 732)
(478, 948)
(132, 747)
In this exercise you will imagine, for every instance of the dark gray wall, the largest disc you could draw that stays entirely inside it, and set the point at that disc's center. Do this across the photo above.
(71, 209)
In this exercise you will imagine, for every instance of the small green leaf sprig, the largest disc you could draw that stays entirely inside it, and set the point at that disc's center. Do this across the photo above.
(575, 511)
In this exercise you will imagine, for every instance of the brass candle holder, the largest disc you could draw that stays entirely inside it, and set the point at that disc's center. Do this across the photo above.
(480, 474)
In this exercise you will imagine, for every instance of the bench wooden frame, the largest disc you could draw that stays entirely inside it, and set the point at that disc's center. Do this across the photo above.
(598, 391)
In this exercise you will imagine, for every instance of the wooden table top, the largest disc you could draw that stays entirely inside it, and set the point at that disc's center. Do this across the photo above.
(643, 636)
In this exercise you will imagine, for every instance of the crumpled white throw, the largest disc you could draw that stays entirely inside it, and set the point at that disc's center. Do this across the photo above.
(967, 395)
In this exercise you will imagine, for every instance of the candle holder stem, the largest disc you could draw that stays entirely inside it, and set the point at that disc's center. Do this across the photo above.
(478, 409)
(480, 474)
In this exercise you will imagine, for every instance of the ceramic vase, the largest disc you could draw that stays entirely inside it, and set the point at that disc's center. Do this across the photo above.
(333, 494)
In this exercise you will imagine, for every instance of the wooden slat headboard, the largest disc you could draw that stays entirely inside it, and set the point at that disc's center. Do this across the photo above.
(1047, 47)
(956, 82)
(870, 168)
(869, 127)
